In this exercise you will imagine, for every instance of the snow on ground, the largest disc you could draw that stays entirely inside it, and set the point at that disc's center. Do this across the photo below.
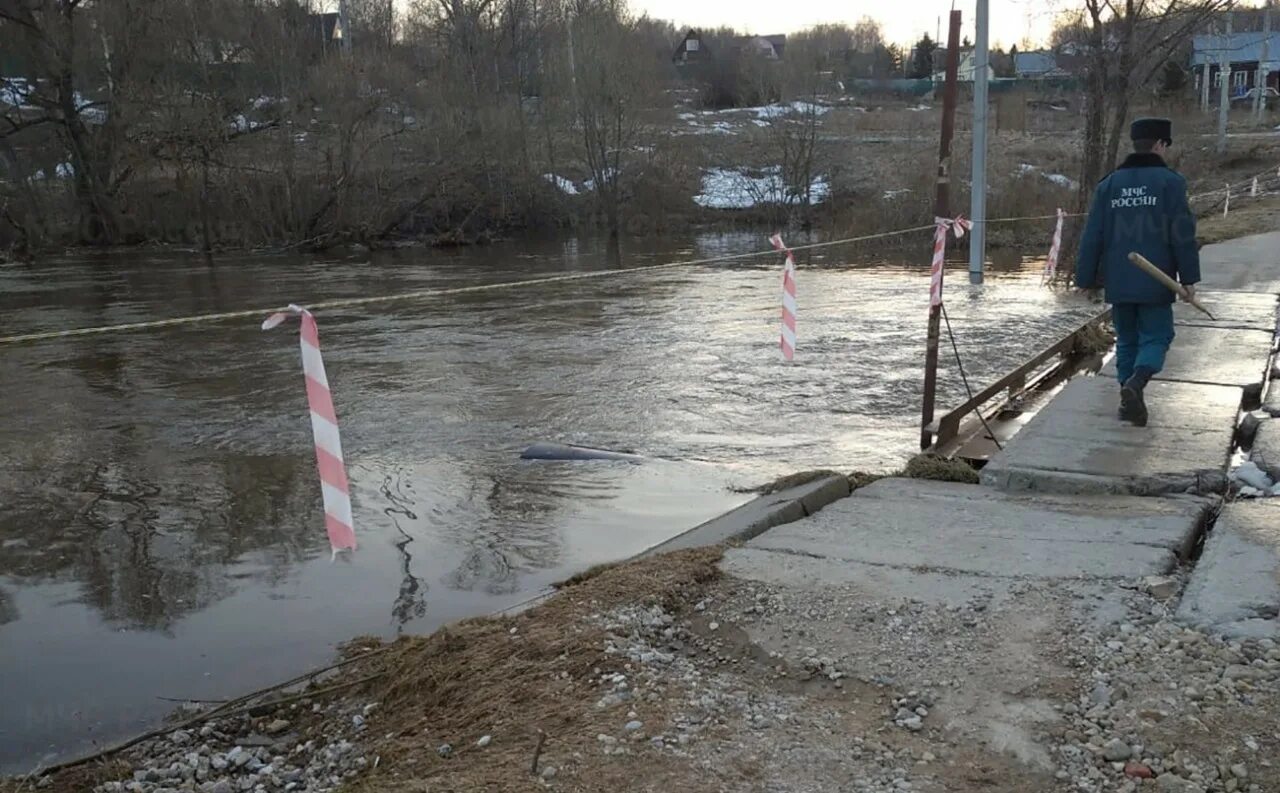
(725, 188)
(567, 187)
(1057, 178)
(889, 195)
(65, 170)
(242, 124)
(15, 91)
(796, 108)
(590, 184)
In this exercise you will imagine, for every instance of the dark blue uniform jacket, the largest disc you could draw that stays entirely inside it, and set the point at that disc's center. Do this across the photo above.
(1141, 206)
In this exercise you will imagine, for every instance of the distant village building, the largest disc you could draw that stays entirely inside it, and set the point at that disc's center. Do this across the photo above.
(968, 67)
(695, 49)
(328, 28)
(1244, 53)
(1037, 66)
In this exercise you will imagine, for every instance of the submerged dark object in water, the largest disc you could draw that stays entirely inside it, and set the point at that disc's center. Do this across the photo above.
(561, 451)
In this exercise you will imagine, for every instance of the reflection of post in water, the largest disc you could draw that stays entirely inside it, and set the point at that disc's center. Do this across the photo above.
(614, 251)
(411, 601)
(8, 612)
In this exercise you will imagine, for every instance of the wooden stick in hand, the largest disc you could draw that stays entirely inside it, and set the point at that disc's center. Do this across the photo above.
(1173, 286)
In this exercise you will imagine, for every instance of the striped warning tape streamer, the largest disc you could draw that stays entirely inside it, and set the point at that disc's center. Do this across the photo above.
(334, 488)
(788, 299)
(1055, 248)
(943, 225)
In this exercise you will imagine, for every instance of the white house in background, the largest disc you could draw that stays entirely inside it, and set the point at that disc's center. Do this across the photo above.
(967, 69)
(1037, 65)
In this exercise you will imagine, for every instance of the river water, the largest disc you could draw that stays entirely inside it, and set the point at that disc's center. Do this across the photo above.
(161, 535)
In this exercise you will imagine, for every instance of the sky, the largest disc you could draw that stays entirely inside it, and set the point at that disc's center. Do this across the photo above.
(903, 21)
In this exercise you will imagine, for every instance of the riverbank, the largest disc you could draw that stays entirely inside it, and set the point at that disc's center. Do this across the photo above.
(653, 676)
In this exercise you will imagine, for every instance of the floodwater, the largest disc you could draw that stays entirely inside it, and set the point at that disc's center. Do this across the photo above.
(161, 534)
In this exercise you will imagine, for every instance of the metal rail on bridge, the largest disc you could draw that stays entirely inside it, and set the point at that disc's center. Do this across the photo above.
(1026, 377)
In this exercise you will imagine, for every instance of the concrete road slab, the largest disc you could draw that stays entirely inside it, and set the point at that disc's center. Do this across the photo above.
(1230, 310)
(946, 527)
(1248, 264)
(1076, 444)
(1216, 356)
(1235, 587)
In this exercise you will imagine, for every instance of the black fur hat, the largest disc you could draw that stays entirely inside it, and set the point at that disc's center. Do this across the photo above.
(1152, 129)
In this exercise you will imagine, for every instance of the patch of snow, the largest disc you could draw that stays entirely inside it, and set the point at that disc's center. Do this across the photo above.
(64, 170)
(1025, 169)
(687, 116)
(267, 101)
(724, 188)
(242, 124)
(716, 128)
(759, 122)
(16, 91)
(794, 108)
(919, 108)
(567, 187)
(1061, 180)
(590, 184)
(889, 195)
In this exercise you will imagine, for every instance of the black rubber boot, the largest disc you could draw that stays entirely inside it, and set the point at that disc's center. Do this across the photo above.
(1133, 403)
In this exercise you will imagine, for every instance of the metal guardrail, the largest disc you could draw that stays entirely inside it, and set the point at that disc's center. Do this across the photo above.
(1025, 377)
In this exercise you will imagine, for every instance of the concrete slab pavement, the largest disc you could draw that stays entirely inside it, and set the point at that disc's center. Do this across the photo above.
(1231, 309)
(1217, 356)
(940, 527)
(1078, 445)
(1235, 587)
(1248, 264)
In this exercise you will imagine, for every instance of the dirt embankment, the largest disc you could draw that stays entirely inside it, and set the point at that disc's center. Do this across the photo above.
(667, 674)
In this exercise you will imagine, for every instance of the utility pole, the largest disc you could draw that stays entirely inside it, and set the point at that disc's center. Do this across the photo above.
(941, 209)
(1204, 77)
(978, 201)
(344, 24)
(1224, 90)
(1264, 68)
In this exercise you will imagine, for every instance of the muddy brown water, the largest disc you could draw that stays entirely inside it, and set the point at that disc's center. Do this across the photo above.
(161, 535)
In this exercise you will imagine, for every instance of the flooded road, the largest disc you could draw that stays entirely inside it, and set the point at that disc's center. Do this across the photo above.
(161, 534)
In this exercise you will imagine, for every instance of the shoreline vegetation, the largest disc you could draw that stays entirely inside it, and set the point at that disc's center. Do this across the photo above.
(245, 126)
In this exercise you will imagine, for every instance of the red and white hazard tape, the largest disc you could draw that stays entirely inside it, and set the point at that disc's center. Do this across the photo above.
(943, 225)
(788, 299)
(334, 488)
(1253, 189)
(1055, 248)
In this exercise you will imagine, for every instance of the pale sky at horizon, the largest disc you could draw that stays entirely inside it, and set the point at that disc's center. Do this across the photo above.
(903, 21)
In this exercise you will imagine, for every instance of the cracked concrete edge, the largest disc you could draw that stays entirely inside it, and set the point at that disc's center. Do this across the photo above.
(759, 515)
(743, 523)
(1208, 481)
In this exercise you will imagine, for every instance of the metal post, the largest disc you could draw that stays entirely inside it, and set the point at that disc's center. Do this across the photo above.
(978, 200)
(1264, 68)
(1224, 91)
(1204, 88)
(941, 208)
(344, 22)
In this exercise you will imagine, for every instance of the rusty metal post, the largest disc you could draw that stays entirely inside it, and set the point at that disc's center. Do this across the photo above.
(942, 209)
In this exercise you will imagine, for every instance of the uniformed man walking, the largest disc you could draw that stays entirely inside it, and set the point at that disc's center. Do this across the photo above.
(1141, 206)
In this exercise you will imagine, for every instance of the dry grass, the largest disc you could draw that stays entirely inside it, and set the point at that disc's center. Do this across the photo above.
(1247, 216)
(940, 469)
(511, 678)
